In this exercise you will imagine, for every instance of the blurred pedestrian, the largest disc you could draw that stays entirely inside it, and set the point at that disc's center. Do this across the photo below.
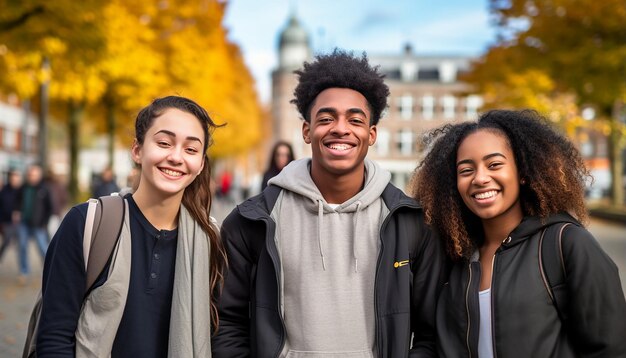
(132, 181)
(35, 209)
(225, 184)
(155, 296)
(282, 154)
(9, 197)
(500, 191)
(106, 183)
(60, 200)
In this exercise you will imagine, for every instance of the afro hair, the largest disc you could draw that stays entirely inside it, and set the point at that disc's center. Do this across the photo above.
(340, 69)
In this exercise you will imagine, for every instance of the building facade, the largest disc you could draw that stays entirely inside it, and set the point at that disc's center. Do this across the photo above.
(18, 138)
(425, 93)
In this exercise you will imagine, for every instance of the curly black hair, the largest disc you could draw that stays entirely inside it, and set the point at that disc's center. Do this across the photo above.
(552, 168)
(340, 69)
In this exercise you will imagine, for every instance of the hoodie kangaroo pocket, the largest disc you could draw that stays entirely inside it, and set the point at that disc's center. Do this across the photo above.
(366, 353)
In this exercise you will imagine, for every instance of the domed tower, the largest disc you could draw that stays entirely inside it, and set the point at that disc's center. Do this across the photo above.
(293, 46)
(294, 49)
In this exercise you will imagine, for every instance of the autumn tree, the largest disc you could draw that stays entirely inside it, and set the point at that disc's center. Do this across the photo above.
(131, 68)
(119, 55)
(204, 65)
(561, 50)
(65, 33)
(179, 47)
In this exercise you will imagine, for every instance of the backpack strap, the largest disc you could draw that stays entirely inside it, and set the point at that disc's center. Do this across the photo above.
(103, 225)
(552, 267)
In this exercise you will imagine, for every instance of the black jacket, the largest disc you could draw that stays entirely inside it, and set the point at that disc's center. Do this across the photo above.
(9, 197)
(525, 323)
(41, 207)
(405, 296)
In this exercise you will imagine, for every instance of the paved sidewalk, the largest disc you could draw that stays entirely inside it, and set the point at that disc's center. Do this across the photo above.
(17, 300)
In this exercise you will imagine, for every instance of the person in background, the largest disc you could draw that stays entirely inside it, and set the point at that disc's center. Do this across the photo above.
(226, 182)
(155, 298)
(331, 259)
(9, 198)
(106, 184)
(60, 200)
(35, 209)
(491, 188)
(282, 154)
(132, 181)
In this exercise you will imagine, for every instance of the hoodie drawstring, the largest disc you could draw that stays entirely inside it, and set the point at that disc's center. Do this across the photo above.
(320, 222)
(320, 225)
(354, 239)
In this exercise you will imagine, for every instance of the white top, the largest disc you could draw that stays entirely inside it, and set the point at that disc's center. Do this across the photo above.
(485, 339)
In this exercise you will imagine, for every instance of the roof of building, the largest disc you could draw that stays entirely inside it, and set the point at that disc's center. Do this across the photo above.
(294, 33)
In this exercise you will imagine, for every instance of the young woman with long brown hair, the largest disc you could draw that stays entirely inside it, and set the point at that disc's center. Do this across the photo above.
(155, 297)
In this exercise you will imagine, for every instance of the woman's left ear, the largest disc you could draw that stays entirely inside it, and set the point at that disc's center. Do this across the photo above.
(523, 181)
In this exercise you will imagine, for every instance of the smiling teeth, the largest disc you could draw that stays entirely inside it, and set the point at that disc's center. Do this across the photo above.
(486, 195)
(171, 172)
(339, 146)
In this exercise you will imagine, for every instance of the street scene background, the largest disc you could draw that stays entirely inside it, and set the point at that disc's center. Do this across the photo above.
(73, 76)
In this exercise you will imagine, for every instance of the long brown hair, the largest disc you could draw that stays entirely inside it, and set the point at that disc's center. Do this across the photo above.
(197, 196)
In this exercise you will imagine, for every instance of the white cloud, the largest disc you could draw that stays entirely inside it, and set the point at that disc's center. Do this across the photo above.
(462, 33)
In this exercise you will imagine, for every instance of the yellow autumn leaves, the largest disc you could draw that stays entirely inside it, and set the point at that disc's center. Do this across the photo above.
(121, 54)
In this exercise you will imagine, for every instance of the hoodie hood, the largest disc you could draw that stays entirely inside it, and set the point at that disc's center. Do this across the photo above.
(296, 177)
(529, 226)
(533, 224)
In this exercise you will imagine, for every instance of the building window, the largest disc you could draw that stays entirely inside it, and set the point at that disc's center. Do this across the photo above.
(33, 144)
(447, 72)
(405, 142)
(473, 103)
(19, 141)
(406, 107)
(449, 105)
(408, 71)
(382, 142)
(9, 139)
(428, 107)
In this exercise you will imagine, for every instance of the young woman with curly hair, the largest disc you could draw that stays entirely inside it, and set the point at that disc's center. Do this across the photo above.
(490, 188)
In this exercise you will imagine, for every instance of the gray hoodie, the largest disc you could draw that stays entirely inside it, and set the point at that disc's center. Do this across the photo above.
(328, 260)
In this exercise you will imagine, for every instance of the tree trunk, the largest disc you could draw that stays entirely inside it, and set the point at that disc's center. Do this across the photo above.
(615, 155)
(110, 109)
(75, 112)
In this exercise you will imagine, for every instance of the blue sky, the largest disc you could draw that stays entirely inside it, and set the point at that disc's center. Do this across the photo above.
(377, 27)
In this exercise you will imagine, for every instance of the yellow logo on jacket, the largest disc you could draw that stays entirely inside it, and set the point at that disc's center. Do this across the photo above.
(400, 263)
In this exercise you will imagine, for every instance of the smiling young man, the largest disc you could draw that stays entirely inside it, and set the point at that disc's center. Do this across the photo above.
(331, 260)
